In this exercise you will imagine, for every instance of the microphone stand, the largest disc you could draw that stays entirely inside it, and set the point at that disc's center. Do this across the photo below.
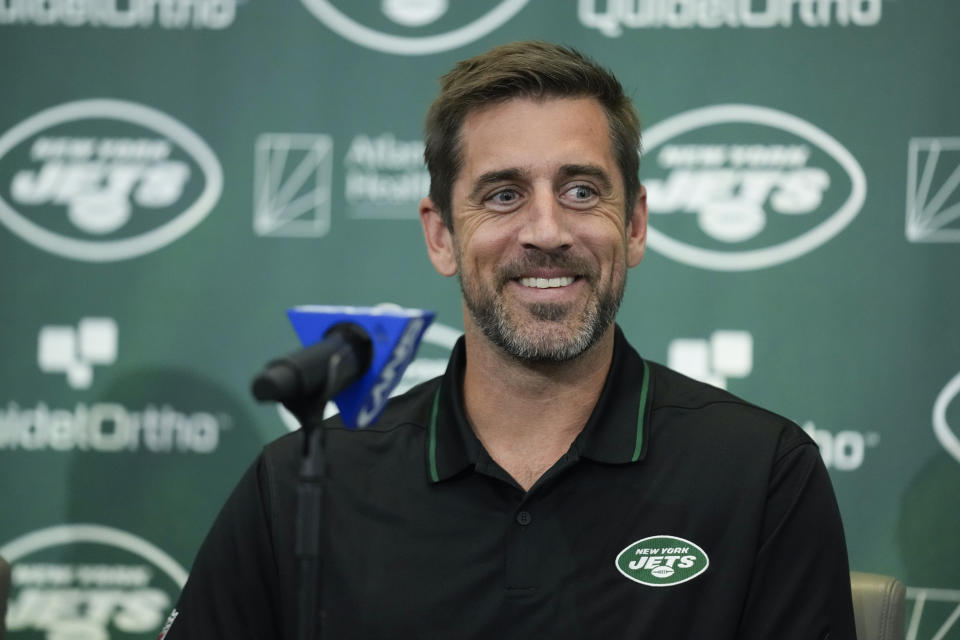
(304, 382)
(310, 485)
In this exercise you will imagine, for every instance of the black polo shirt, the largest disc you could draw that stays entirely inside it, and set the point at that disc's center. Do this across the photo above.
(680, 511)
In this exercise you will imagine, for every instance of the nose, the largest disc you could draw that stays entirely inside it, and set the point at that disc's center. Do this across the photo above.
(545, 223)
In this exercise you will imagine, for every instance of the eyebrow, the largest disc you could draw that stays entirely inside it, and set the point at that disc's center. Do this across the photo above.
(589, 171)
(491, 178)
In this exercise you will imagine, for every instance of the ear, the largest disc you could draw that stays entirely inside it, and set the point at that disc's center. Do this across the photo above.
(637, 229)
(439, 239)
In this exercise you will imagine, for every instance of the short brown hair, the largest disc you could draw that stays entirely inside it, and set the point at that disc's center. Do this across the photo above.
(530, 70)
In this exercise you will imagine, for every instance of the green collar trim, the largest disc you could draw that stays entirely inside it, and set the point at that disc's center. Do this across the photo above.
(641, 411)
(432, 450)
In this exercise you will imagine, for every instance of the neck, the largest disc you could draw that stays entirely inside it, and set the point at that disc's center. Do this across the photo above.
(527, 415)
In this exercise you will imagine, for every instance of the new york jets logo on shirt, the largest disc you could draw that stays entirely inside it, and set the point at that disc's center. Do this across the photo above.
(662, 561)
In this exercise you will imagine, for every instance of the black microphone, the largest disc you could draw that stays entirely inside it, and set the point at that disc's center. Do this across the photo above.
(355, 356)
(325, 368)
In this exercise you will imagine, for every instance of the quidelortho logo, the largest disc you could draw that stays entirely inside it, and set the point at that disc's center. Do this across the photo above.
(291, 192)
(103, 426)
(89, 582)
(120, 14)
(413, 27)
(439, 339)
(740, 187)
(726, 354)
(942, 417)
(105, 180)
(933, 190)
(842, 450)
(662, 561)
(385, 177)
(74, 350)
(611, 17)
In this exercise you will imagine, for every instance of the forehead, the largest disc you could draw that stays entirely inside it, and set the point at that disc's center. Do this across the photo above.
(536, 136)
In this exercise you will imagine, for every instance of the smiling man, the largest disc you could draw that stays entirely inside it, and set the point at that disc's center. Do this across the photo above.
(552, 483)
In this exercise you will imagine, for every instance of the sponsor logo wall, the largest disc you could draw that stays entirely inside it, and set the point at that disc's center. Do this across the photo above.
(131, 187)
(135, 14)
(123, 587)
(754, 204)
(613, 17)
(174, 175)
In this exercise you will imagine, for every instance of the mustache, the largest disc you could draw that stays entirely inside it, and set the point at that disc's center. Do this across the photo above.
(534, 259)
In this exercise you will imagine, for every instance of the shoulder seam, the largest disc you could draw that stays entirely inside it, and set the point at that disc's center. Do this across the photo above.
(738, 402)
(377, 428)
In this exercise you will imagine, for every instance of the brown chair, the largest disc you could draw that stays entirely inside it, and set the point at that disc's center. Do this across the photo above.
(879, 603)
(4, 594)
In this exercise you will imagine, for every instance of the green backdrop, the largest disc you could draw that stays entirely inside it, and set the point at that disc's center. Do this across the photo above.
(174, 174)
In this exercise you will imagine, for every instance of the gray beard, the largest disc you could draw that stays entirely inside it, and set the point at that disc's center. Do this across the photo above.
(546, 346)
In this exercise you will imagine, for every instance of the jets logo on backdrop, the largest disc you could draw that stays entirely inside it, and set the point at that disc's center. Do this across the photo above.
(662, 561)
(943, 418)
(84, 581)
(933, 190)
(739, 187)
(413, 27)
(104, 180)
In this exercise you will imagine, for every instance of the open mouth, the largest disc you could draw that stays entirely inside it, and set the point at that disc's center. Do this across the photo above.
(548, 283)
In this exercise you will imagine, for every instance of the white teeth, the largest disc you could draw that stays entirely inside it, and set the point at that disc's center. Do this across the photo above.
(547, 283)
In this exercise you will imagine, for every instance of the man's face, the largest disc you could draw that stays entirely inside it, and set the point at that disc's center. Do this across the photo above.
(541, 241)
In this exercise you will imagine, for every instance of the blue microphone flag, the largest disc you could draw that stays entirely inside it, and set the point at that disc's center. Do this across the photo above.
(395, 333)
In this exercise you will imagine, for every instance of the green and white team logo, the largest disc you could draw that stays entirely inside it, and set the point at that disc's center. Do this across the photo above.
(413, 27)
(104, 180)
(739, 187)
(89, 582)
(662, 561)
(948, 437)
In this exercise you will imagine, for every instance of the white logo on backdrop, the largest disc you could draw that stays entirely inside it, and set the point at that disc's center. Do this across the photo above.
(922, 596)
(385, 177)
(103, 426)
(413, 13)
(102, 183)
(74, 351)
(291, 189)
(842, 450)
(729, 354)
(616, 15)
(947, 436)
(119, 14)
(933, 190)
(726, 354)
(84, 592)
(736, 191)
(420, 370)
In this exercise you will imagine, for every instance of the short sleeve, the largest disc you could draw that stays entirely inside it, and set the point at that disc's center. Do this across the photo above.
(800, 585)
(232, 591)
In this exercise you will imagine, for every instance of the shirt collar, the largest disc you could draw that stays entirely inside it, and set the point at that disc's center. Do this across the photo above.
(615, 433)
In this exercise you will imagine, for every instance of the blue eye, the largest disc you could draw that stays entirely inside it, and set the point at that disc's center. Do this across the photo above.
(580, 194)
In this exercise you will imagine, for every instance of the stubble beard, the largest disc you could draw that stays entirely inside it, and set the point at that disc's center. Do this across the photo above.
(552, 332)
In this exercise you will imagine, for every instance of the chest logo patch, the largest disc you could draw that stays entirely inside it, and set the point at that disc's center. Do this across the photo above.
(662, 561)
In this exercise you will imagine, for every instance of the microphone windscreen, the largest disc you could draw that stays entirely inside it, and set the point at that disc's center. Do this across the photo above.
(395, 333)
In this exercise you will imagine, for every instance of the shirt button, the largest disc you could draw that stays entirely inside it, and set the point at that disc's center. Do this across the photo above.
(524, 518)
